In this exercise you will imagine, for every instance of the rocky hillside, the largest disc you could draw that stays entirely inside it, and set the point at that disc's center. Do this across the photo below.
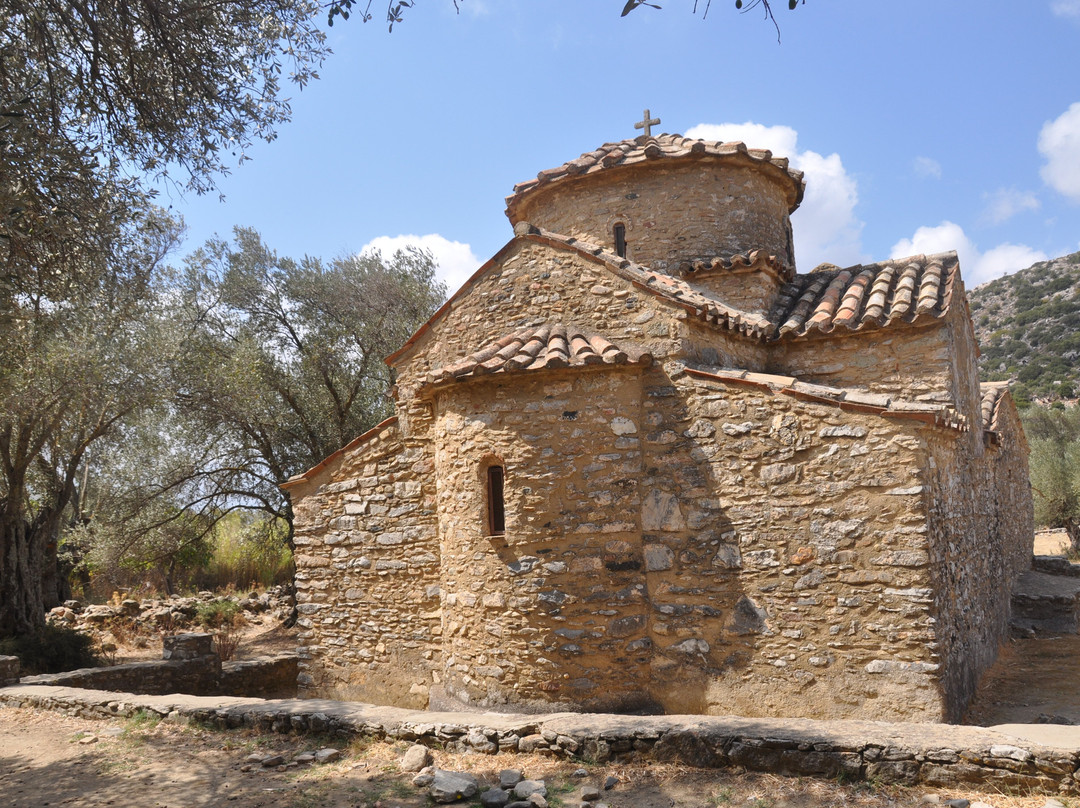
(1028, 327)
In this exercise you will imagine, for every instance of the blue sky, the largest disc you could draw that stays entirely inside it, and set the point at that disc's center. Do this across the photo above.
(921, 126)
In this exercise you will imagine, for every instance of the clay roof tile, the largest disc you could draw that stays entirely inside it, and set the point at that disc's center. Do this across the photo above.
(549, 345)
(903, 290)
(659, 147)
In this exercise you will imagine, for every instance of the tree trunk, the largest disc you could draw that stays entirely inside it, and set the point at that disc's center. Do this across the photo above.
(294, 613)
(1072, 530)
(22, 551)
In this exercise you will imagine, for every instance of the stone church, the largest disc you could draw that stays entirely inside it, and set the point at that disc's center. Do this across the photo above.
(641, 463)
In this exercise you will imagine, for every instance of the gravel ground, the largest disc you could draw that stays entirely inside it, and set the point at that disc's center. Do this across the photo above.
(48, 759)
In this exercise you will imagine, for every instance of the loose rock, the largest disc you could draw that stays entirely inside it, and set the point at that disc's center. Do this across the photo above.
(449, 787)
(327, 755)
(528, 787)
(494, 798)
(508, 778)
(416, 758)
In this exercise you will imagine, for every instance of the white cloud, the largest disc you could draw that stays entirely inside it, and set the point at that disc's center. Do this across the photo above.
(1059, 143)
(825, 225)
(1006, 258)
(926, 167)
(976, 266)
(1004, 203)
(456, 261)
(1066, 8)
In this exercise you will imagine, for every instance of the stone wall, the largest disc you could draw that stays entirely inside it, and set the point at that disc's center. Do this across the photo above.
(200, 676)
(909, 363)
(699, 210)
(537, 282)
(268, 677)
(852, 750)
(790, 574)
(264, 678)
(526, 614)
(367, 574)
(980, 532)
(688, 544)
(9, 670)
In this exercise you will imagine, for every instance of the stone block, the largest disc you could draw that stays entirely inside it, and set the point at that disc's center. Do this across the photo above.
(9, 670)
(187, 646)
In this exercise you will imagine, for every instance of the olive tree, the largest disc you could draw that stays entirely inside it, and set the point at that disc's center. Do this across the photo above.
(283, 362)
(78, 354)
(1054, 438)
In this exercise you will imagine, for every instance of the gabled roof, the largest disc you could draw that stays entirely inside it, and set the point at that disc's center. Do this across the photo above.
(549, 345)
(665, 287)
(828, 300)
(659, 147)
(864, 297)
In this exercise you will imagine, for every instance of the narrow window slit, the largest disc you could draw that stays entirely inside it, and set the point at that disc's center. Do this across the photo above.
(496, 511)
(620, 240)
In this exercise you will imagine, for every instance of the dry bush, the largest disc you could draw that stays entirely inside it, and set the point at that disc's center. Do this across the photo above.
(227, 640)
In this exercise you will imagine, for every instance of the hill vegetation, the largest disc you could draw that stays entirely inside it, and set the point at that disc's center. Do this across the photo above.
(1028, 327)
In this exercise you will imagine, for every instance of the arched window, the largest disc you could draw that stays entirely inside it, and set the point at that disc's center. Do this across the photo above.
(620, 239)
(495, 502)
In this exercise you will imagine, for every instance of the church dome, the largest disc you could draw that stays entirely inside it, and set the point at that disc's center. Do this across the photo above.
(667, 200)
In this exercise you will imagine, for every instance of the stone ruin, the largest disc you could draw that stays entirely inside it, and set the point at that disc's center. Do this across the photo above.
(640, 463)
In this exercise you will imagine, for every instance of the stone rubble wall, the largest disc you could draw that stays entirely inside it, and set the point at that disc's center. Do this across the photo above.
(703, 346)
(538, 283)
(787, 563)
(264, 678)
(9, 670)
(926, 754)
(912, 363)
(980, 535)
(672, 214)
(367, 574)
(555, 609)
(199, 676)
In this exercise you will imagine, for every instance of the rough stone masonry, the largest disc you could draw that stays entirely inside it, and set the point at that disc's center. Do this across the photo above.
(640, 463)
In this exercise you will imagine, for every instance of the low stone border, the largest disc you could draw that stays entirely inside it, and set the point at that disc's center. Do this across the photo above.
(1055, 565)
(271, 677)
(189, 665)
(929, 754)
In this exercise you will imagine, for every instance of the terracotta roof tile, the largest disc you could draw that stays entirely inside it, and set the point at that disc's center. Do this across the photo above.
(821, 302)
(871, 296)
(755, 260)
(992, 395)
(641, 148)
(550, 345)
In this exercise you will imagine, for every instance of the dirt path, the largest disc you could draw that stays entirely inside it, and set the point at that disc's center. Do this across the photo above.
(47, 759)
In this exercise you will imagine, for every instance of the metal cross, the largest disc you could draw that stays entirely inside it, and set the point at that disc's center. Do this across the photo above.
(647, 124)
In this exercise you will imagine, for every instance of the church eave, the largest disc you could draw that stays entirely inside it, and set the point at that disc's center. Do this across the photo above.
(932, 414)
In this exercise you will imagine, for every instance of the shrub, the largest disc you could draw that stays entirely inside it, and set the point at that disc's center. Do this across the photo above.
(56, 650)
(217, 613)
